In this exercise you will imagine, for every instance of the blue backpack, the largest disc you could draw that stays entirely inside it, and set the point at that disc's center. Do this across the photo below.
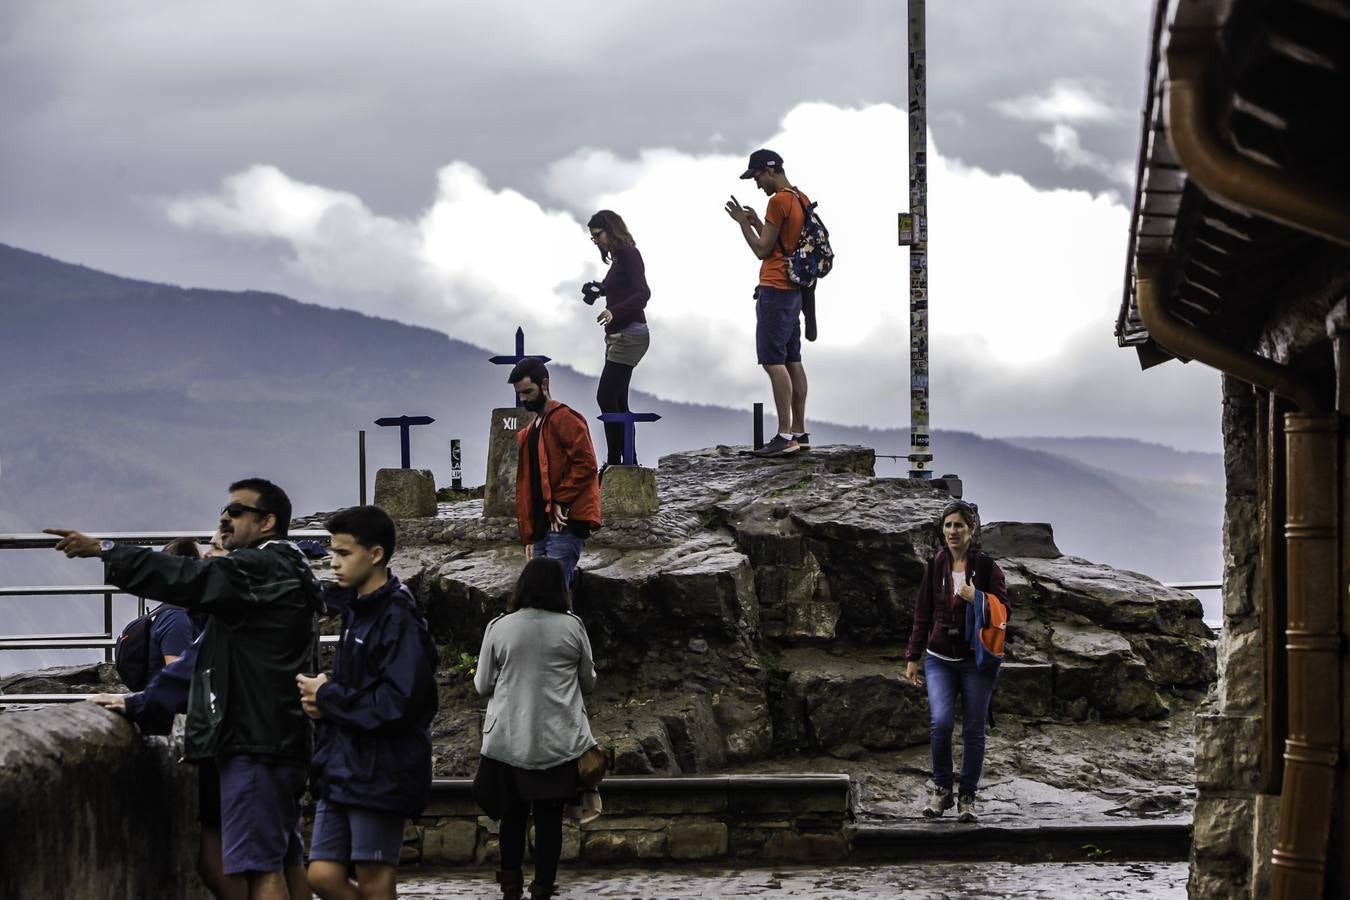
(813, 257)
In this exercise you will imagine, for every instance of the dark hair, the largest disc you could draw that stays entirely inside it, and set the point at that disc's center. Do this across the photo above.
(541, 586)
(183, 546)
(271, 499)
(370, 526)
(611, 223)
(969, 513)
(532, 368)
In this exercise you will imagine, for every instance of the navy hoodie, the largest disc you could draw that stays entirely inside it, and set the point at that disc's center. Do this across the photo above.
(374, 742)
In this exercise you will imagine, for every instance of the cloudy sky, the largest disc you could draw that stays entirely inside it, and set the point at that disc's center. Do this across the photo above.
(434, 161)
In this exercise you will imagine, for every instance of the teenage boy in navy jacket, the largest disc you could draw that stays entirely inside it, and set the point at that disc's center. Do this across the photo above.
(372, 759)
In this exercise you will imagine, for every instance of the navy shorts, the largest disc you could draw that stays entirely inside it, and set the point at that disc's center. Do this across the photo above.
(353, 834)
(260, 813)
(778, 327)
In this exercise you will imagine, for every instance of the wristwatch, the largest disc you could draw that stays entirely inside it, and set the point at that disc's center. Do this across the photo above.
(105, 547)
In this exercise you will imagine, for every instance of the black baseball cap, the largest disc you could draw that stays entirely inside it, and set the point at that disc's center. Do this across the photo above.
(762, 159)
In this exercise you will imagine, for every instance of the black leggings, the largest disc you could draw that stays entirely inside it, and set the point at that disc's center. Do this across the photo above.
(613, 397)
(547, 837)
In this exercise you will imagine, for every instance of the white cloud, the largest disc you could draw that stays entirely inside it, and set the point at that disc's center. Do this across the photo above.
(1020, 278)
(1066, 101)
(1067, 146)
(1065, 106)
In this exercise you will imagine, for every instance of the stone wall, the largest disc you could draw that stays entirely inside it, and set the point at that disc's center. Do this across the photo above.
(1234, 824)
(92, 810)
(746, 818)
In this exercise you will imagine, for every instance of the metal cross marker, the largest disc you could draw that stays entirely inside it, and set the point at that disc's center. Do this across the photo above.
(520, 356)
(404, 423)
(629, 421)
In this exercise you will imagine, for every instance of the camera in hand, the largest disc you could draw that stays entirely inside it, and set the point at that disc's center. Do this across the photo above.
(592, 291)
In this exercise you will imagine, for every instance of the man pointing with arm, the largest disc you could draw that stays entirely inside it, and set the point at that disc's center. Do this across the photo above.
(243, 711)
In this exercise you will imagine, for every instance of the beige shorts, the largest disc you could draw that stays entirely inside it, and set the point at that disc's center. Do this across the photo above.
(626, 349)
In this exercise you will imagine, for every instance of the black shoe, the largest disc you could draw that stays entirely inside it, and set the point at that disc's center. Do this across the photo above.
(803, 440)
(779, 446)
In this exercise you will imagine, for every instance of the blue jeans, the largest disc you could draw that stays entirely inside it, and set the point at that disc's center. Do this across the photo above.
(563, 546)
(946, 679)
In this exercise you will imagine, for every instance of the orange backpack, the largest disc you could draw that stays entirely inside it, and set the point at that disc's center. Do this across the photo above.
(987, 619)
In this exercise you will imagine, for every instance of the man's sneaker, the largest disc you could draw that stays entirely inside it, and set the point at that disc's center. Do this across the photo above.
(803, 440)
(966, 809)
(939, 801)
(779, 446)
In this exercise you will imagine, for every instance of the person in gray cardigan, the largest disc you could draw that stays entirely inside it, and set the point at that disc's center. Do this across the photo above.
(534, 665)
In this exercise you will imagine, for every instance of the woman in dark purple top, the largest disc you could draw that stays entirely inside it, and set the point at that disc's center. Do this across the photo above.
(626, 336)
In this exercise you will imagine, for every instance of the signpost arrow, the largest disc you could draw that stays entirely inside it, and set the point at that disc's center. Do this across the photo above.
(404, 423)
(629, 421)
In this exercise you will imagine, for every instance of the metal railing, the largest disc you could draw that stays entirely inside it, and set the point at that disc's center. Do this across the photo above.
(106, 639)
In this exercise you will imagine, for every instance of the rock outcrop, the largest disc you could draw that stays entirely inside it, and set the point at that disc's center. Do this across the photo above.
(764, 611)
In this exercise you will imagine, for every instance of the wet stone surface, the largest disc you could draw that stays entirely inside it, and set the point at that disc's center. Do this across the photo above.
(1051, 881)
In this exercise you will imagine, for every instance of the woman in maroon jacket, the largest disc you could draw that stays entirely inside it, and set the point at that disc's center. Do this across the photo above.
(942, 637)
(626, 336)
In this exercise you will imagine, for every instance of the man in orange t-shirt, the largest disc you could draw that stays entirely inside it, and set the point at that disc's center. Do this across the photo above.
(778, 301)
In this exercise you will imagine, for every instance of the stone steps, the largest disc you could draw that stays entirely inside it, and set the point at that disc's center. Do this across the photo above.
(947, 839)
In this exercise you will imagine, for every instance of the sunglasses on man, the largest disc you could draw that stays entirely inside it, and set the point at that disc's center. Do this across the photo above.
(235, 510)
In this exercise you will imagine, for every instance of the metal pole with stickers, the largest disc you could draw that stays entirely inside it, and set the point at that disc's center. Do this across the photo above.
(914, 235)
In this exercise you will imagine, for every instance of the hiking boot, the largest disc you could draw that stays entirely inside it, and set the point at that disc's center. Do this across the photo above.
(939, 801)
(779, 446)
(541, 891)
(803, 440)
(966, 809)
(513, 884)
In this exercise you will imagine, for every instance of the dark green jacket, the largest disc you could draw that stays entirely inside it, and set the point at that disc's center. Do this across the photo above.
(260, 604)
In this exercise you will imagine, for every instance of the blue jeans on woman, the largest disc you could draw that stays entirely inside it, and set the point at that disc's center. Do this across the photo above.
(946, 679)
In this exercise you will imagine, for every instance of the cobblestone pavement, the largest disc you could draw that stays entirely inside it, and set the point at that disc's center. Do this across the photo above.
(939, 881)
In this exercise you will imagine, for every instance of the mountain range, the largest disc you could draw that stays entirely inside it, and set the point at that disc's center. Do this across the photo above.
(128, 404)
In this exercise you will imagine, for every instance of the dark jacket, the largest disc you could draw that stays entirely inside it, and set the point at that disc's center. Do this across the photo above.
(374, 744)
(259, 635)
(567, 469)
(166, 695)
(937, 606)
(626, 291)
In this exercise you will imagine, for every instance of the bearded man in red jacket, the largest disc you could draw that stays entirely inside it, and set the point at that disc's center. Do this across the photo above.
(557, 489)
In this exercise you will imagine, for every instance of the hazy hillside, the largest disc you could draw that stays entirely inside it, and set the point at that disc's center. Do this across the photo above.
(128, 404)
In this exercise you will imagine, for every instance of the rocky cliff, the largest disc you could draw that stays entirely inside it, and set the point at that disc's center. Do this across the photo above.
(763, 613)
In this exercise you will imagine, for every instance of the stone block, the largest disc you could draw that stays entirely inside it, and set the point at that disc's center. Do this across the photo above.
(406, 493)
(604, 847)
(1227, 752)
(571, 843)
(499, 489)
(628, 492)
(1223, 831)
(1242, 670)
(796, 847)
(1265, 826)
(698, 840)
(451, 841)
(626, 823)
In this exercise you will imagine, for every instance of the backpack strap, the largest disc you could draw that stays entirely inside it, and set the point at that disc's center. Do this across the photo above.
(806, 214)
